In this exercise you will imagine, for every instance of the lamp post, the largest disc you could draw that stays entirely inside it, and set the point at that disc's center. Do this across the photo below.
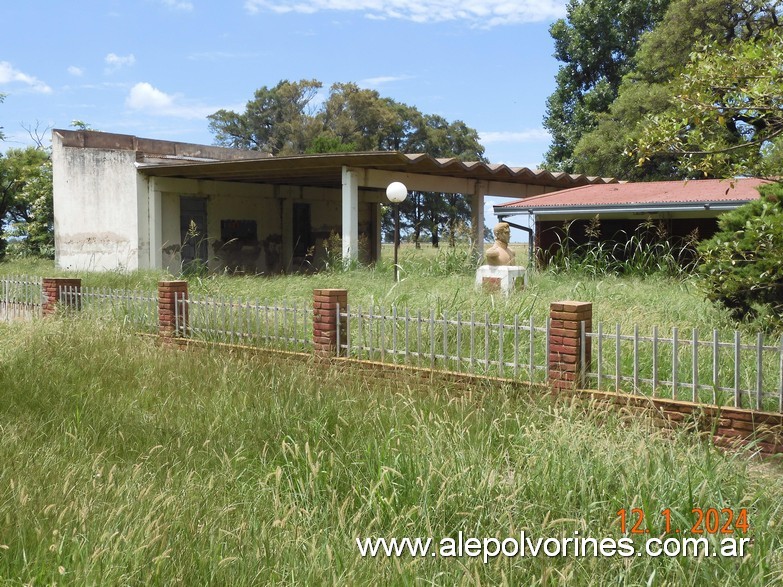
(396, 192)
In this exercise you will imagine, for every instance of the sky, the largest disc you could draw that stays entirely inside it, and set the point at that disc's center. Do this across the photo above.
(157, 68)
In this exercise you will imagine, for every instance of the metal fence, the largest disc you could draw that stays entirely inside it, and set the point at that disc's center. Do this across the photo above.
(737, 370)
(463, 342)
(133, 308)
(21, 298)
(741, 371)
(235, 321)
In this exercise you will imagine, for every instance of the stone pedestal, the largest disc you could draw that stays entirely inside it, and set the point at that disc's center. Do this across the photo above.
(500, 277)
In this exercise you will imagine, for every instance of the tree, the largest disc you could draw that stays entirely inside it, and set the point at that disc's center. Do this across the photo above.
(596, 43)
(650, 87)
(282, 121)
(26, 199)
(728, 111)
(742, 265)
(277, 120)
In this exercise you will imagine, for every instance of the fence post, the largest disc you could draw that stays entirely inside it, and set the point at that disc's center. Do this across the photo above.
(60, 290)
(325, 321)
(566, 367)
(171, 294)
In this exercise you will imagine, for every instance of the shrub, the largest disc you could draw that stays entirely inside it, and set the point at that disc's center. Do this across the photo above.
(742, 265)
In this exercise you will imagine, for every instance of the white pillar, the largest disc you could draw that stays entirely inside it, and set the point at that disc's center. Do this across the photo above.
(477, 217)
(350, 215)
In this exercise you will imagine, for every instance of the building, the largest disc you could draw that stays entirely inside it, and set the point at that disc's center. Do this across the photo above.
(679, 209)
(126, 202)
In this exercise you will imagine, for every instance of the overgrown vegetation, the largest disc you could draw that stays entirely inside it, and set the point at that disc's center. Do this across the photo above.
(742, 267)
(649, 250)
(125, 463)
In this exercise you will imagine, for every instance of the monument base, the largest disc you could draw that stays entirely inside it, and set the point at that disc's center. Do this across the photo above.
(501, 277)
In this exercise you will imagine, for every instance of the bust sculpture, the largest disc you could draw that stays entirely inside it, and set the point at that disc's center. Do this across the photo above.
(499, 254)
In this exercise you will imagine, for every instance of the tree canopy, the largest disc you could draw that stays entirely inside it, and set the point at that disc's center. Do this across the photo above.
(289, 119)
(596, 43)
(651, 87)
(727, 115)
(26, 201)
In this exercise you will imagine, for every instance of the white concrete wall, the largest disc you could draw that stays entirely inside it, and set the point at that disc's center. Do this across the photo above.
(96, 220)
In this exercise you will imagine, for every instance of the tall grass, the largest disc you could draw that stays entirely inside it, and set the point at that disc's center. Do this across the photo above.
(125, 463)
(646, 251)
(432, 279)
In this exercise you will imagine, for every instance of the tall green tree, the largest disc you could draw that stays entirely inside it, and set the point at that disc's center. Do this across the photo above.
(596, 43)
(26, 200)
(284, 120)
(727, 116)
(277, 120)
(650, 87)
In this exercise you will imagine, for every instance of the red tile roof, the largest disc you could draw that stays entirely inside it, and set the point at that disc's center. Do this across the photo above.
(646, 193)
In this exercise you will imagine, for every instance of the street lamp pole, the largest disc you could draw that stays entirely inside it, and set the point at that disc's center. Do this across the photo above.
(396, 192)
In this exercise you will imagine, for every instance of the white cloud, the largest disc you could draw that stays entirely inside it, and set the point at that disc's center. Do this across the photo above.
(146, 98)
(532, 135)
(75, 71)
(115, 62)
(374, 82)
(178, 5)
(9, 75)
(480, 13)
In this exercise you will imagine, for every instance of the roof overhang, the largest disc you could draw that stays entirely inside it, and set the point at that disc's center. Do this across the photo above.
(377, 169)
(620, 209)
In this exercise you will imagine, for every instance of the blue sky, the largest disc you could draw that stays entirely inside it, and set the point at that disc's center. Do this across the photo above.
(157, 68)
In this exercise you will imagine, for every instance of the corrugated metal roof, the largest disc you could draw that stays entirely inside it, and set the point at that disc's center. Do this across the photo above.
(325, 170)
(641, 195)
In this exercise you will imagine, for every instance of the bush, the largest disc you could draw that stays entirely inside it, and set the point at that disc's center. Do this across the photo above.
(742, 265)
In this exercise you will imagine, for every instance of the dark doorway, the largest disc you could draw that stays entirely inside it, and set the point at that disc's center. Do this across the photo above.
(302, 232)
(193, 232)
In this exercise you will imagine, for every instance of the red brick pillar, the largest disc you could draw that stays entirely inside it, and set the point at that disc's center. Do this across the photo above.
(566, 369)
(171, 310)
(325, 320)
(58, 290)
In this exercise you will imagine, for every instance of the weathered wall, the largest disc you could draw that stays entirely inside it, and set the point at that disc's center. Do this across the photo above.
(96, 208)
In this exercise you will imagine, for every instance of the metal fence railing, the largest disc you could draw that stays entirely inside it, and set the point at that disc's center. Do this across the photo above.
(278, 324)
(133, 308)
(21, 297)
(738, 370)
(734, 369)
(460, 341)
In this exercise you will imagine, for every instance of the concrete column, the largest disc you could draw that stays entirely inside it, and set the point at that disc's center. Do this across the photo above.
(326, 319)
(156, 229)
(566, 367)
(60, 291)
(350, 199)
(377, 236)
(477, 218)
(172, 312)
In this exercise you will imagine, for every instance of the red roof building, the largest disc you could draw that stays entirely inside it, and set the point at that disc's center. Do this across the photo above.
(676, 208)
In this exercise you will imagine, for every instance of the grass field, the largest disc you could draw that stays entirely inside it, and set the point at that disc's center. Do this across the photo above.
(123, 463)
(444, 279)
